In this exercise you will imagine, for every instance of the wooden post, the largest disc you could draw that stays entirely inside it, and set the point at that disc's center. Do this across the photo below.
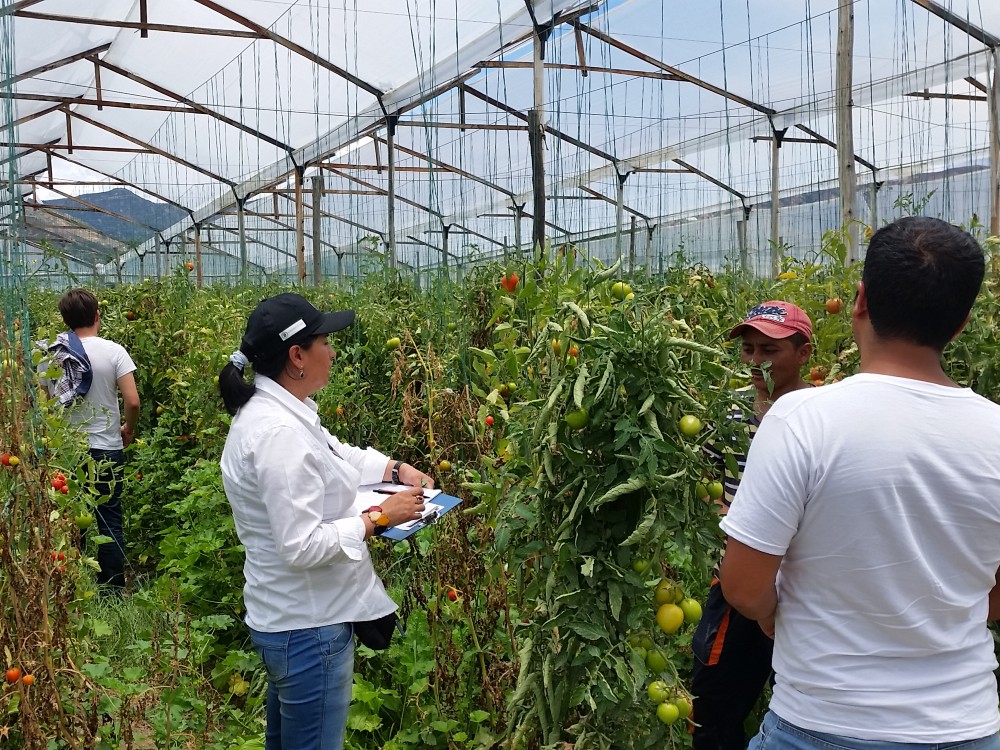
(873, 216)
(242, 229)
(845, 128)
(300, 227)
(536, 143)
(631, 246)
(317, 217)
(445, 231)
(648, 251)
(518, 218)
(620, 212)
(197, 255)
(994, 104)
(390, 194)
(741, 239)
(775, 200)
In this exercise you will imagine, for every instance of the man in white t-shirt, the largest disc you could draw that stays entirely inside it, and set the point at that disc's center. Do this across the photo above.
(865, 534)
(98, 415)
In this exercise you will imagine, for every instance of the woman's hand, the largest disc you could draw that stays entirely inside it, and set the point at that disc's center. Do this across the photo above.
(404, 506)
(414, 477)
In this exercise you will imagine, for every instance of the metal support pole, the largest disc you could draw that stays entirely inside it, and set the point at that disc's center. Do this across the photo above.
(390, 193)
(300, 227)
(317, 217)
(241, 226)
(845, 129)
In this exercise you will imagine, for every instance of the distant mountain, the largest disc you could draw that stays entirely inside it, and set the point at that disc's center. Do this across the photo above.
(125, 203)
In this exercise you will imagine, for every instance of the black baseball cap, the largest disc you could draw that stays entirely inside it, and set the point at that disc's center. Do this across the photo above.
(279, 322)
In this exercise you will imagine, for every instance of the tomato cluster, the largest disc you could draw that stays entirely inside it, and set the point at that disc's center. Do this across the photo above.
(59, 483)
(9, 460)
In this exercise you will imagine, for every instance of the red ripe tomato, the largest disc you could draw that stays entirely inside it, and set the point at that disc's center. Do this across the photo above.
(834, 305)
(28, 680)
(64, 489)
(489, 421)
(5, 459)
(452, 595)
(13, 674)
(509, 281)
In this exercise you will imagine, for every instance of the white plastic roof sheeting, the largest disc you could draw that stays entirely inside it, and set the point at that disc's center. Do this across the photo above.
(405, 57)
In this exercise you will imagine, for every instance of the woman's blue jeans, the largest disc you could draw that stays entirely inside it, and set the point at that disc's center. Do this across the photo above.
(777, 734)
(310, 673)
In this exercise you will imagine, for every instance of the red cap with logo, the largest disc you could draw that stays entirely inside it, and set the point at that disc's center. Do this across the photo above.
(776, 319)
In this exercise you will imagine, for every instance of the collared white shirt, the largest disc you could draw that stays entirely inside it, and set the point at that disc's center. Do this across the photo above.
(292, 487)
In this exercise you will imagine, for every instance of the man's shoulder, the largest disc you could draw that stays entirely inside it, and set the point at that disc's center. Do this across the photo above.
(101, 343)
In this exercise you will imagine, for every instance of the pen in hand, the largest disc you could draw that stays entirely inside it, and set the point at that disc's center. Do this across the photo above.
(390, 492)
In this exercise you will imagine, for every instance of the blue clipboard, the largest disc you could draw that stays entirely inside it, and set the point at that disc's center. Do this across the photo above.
(372, 494)
(447, 502)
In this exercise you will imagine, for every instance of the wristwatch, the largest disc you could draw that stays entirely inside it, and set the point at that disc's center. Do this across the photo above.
(377, 517)
(395, 472)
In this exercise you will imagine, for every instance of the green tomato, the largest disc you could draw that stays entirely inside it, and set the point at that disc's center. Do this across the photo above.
(690, 425)
(684, 707)
(577, 420)
(691, 609)
(658, 691)
(667, 713)
(656, 662)
(620, 290)
(640, 565)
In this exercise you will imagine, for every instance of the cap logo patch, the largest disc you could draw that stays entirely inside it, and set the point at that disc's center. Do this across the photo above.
(767, 312)
(294, 328)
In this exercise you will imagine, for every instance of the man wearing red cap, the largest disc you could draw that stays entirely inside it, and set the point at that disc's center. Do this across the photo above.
(865, 535)
(732, 654)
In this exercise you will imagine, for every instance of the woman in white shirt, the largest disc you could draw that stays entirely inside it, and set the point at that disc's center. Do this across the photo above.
(292, 487)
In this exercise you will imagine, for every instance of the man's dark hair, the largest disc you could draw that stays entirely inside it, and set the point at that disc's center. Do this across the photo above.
(78, 308)
(921, 278)
(798, 340)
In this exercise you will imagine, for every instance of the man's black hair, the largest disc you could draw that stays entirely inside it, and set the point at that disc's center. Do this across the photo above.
(78, 308)
(921, 278)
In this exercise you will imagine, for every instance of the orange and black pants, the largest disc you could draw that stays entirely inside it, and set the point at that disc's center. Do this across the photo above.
(732, 663)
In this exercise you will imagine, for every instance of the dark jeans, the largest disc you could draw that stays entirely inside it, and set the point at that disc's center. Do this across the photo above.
(732, 663)
(110, 556)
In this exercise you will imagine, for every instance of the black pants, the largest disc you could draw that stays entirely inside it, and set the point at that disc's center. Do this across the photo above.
(732, 663)
(110, 556)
